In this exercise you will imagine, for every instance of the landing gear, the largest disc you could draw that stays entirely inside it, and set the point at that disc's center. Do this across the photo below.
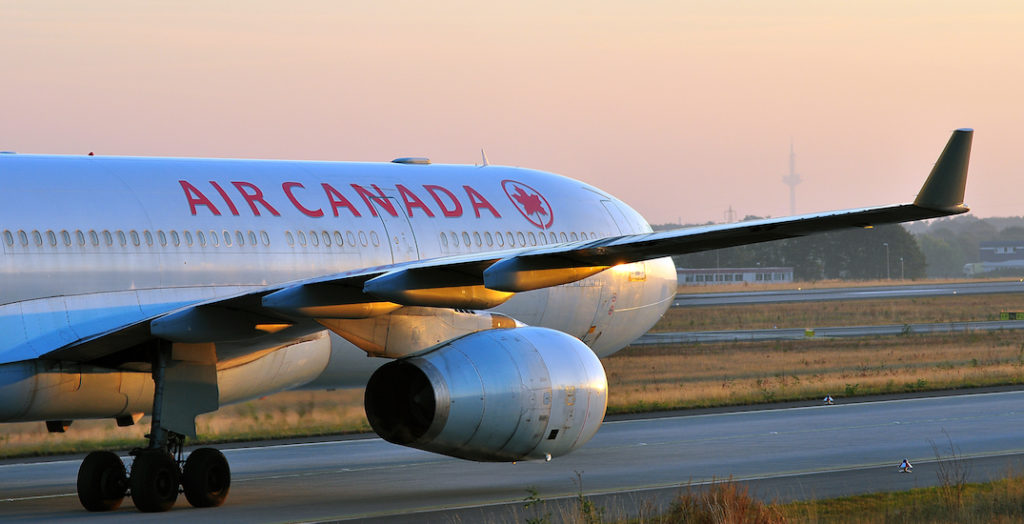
(101, 481)
(154, 481)
(156, 473)
(206, 478)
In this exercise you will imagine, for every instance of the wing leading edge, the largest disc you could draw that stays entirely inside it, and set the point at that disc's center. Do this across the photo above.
(484, 280)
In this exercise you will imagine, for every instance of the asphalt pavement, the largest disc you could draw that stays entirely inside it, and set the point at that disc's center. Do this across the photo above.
(792, 453)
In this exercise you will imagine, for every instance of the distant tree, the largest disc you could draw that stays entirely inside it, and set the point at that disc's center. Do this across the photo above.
(845, 254)
(1012, 233)
(944, 260)
(940, 248)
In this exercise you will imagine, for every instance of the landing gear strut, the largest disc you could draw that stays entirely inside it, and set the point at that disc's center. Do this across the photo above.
(156, 472)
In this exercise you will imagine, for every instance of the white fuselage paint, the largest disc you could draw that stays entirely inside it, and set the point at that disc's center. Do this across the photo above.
(91, 244)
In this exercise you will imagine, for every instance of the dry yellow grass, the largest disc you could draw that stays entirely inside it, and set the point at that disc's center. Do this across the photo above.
(291, 413)
(669, 377)
(953, 308)
(826, 284)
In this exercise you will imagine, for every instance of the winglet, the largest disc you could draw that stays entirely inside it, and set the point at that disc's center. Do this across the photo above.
(944, 189)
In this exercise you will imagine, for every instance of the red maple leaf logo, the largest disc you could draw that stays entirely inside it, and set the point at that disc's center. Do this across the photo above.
(531, 203)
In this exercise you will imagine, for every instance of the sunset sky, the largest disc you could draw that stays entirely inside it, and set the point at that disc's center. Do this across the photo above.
(680, 108)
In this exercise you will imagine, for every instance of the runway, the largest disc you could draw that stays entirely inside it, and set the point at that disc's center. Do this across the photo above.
(751, 335)
(796, 452)
(849, 293)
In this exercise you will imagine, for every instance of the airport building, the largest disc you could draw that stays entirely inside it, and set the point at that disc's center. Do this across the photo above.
(1005, 254)
(734, 275)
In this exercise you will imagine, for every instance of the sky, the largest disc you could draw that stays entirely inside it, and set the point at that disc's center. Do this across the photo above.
(683, 109)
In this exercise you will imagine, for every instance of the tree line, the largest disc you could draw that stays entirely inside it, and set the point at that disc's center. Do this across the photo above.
(935, 249)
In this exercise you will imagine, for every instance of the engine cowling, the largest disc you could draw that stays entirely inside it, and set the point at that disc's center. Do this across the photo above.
(496, 395)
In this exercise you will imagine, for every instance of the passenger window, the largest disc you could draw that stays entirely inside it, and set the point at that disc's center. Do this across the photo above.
(108, 239)
(135, 237)
(66, 237)
(289, 238)
(80, 236)
(326, 237)
(455, 239)
(522, 239)
(444, 240)
(121, 238)
(593, 236)
(574, 237)
(94, 238)
(564, 239)
(351, 238)
(8, 237)
(314, 239)
(362, 238)
(542, 239)
(511, 239)
(338, 239)
(52, 237)
(201, 237)
(476, 238)
(23, 237)
(553, 238)
(227, 237)
(240, 238)
(265, 237)
(489, 238)
(148, 237)
(214, 239)
(501, 239)
(161, 237)
(252, 238)
(188, 238)
(465, 239)
(175, 239)
(533, 239)
(374, 239)
(302, 237)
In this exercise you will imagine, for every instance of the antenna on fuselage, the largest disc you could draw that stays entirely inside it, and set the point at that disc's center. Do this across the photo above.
(483, 155)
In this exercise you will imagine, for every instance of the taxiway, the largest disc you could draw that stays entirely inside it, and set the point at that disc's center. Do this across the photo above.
(797, 452)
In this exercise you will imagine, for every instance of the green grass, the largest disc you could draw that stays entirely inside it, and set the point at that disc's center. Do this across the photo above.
(729, 502)
(998, 501)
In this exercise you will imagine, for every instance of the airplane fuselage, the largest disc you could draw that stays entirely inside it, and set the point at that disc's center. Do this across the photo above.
(94, 243)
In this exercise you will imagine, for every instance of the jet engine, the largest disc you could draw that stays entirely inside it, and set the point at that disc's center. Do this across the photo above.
(495, 395)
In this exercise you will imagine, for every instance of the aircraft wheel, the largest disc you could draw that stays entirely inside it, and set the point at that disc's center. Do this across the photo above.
(154, 481)
(206, 478)
(102, 481)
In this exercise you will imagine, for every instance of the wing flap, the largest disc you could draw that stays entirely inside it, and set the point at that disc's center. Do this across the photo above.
(458, 285)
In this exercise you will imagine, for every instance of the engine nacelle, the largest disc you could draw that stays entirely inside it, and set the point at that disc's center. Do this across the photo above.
(496, 395)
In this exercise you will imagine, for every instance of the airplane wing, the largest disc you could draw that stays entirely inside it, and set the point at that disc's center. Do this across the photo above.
(484, 280)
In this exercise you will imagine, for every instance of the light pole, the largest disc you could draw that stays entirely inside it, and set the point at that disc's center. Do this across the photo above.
(902, 274)
(886, 244)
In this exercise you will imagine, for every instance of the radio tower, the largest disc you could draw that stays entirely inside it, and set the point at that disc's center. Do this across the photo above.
(792, 179)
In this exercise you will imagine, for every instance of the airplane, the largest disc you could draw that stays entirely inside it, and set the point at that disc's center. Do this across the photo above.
(472, 302)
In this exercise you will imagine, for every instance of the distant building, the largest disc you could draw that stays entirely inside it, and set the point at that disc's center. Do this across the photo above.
(734, 275)
(1004, 254)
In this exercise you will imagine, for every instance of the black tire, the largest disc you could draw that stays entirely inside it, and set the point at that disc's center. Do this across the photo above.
(206, 478)
(102, 481)
(154, 481)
